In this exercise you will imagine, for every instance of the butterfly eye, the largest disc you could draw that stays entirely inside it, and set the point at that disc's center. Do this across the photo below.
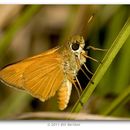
(75, 46)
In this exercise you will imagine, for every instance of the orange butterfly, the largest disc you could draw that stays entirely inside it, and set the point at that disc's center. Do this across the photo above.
(52, 72)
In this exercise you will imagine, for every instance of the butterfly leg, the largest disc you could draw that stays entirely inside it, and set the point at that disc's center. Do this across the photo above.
(95, 49)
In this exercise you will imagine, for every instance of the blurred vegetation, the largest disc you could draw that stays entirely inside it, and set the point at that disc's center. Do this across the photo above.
(27, 30)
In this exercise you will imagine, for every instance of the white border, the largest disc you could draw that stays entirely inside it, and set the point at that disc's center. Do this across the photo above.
(64, 2)
(43, 125)
(63, 125)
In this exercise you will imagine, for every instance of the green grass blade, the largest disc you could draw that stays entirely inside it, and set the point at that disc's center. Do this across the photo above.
(18, 24)
(109, 79)
(109, 57)
(117, 102)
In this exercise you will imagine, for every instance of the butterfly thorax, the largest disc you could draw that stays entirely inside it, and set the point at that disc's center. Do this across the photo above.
(69, 64)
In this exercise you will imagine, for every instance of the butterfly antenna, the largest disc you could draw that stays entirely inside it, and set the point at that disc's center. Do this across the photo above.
(90, 19)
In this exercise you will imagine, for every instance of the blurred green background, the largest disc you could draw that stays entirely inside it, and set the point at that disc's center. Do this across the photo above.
(27, 30)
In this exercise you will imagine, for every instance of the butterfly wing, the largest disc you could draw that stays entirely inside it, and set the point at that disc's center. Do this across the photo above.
(15, 75)
(44, 77)
(12, 74)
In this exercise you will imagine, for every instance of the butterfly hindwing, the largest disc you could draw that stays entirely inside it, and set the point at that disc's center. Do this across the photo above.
(35, 74)
(12, 74)
(43, 78)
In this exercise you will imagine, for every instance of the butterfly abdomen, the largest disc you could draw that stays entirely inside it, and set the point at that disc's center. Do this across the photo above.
(64, 94)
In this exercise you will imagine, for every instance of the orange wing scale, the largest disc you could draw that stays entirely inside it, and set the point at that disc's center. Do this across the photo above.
(12, 75)
(43, 83)
(41, 75)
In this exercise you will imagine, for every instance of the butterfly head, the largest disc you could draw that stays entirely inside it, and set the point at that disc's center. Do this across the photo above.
(76, 44)
(72, 54)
